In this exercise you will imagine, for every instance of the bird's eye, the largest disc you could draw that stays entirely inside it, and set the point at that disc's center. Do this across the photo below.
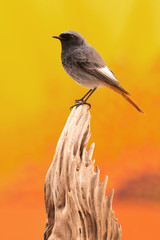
(72, 36)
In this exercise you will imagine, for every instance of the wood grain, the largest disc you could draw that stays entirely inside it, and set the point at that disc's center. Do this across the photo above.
(76, 205)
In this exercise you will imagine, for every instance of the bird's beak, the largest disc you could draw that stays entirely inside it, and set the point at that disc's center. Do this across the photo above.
(58, 37)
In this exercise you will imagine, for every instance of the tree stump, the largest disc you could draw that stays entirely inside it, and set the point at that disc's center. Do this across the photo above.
(76, 205)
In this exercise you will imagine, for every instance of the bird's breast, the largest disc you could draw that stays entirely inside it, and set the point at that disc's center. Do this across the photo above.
(78, 74)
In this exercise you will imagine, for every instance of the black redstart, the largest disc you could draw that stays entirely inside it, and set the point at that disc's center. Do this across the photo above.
(85, 65)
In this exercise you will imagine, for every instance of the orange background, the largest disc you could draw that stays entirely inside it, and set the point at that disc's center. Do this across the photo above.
(36, 93)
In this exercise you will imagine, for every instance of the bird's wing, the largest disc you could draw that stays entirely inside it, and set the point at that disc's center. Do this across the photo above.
(91, 61)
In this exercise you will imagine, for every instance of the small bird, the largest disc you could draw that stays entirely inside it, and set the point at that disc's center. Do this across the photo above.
(85, 66)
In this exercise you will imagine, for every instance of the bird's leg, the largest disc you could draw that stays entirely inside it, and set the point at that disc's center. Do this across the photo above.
(90, 94)
(84, 101)
(81, 99)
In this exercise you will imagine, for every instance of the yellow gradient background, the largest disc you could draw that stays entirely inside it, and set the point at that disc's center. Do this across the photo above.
(36, 93)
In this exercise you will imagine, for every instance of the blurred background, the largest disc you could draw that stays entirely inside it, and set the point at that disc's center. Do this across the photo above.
(36, 93)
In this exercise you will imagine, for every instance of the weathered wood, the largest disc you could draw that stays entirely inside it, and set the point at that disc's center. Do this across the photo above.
(76, 205)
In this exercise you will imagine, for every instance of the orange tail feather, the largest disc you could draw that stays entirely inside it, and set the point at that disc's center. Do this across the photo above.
(127, 97)
(131, 101)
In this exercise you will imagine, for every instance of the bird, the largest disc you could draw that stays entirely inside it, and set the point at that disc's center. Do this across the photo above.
(85, 65)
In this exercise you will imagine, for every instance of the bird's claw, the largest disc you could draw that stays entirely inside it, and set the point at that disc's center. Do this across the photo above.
(78, 100)
(78, 103)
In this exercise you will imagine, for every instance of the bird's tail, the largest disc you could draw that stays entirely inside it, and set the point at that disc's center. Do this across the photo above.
(126, 96)
(131, 101)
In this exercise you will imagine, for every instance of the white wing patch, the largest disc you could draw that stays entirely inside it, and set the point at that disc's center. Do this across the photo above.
(107, 72)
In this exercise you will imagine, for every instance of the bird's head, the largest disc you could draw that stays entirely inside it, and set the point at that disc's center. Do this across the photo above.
(70, 38)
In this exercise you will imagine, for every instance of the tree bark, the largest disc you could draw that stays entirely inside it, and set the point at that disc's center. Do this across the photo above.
(76, 205)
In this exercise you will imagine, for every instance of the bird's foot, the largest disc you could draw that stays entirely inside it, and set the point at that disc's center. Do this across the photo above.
(78, 103)
(79, 100)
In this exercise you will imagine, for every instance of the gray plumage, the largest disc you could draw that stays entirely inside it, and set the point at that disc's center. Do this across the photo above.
(85, 65)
